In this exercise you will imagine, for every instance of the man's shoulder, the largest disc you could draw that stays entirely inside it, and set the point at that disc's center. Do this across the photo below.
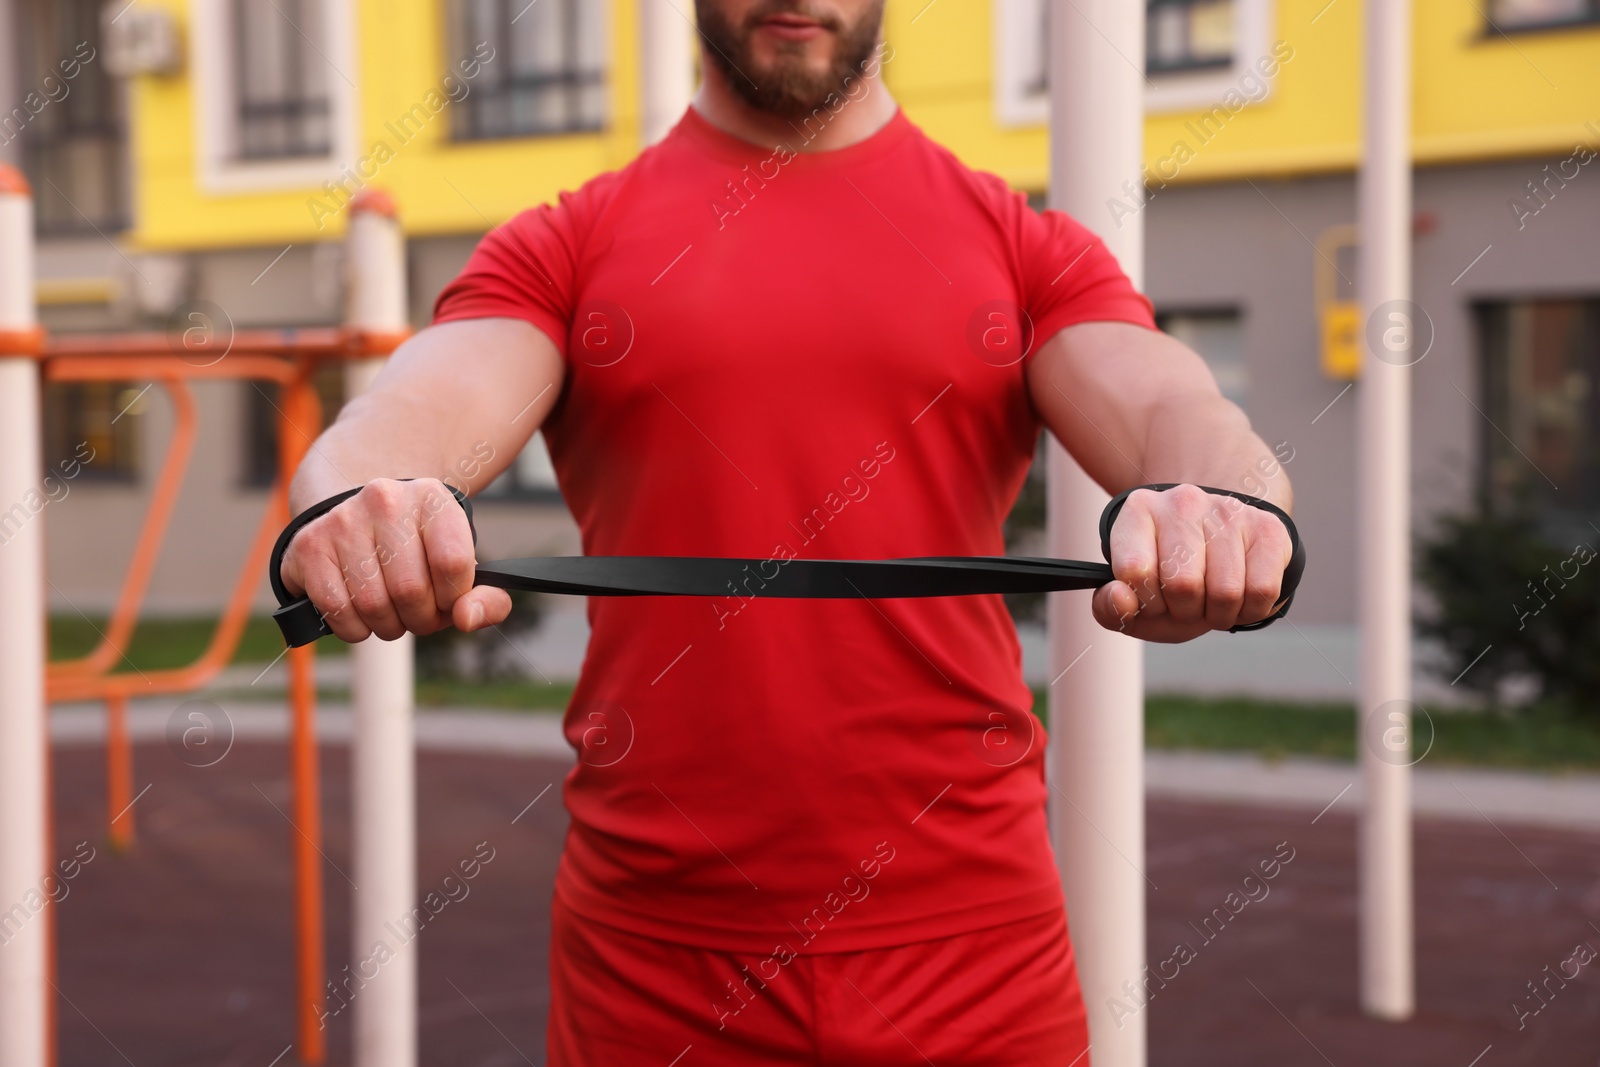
(986, 188)
(586, 205)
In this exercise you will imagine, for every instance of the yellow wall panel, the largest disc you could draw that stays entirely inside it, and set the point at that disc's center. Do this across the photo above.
(401, 57)
(1478, 96)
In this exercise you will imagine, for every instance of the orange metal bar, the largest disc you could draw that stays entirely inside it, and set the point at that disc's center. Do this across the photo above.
(119, 774)
(327, 341)
(99, 368)
(27, 342)
(66, 684)
(218, 653)
(287, 357)
(137, 579)
(297, 423)
(310, 966)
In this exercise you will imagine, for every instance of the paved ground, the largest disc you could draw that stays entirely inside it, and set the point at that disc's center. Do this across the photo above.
(178, 954)
(1569, 801)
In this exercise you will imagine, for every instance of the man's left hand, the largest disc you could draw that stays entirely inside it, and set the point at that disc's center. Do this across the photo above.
(1187, 561)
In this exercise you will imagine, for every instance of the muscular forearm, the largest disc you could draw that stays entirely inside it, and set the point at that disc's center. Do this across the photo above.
(377, 435)
(456, 402)
(1202, 438)
(1136, 407)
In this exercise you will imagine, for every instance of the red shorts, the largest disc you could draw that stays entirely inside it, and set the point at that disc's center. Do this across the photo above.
(998, 997)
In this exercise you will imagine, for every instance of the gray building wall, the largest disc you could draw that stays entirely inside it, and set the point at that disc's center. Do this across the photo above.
(1249, 245)
(92, 528)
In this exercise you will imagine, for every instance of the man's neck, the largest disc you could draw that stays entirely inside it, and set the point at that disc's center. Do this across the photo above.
(865, 111)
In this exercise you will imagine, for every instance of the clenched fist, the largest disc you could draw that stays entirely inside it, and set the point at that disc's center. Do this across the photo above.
(1187, 561)
(395, 557)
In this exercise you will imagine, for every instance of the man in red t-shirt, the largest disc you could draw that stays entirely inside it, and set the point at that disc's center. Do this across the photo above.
(801, 831)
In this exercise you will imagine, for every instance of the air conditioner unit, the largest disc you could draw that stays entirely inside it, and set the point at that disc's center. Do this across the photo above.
(139, 40)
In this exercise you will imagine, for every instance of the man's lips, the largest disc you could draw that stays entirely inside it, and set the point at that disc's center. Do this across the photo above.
(792, 27)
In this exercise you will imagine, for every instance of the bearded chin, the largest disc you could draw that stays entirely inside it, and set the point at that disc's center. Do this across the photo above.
(787, 89)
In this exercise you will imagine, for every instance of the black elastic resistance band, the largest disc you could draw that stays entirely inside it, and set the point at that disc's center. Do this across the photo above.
(812, 579)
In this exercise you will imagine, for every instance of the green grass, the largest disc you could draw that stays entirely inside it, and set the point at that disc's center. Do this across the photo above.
(519, 695)
(1272, 729)
(1542, 737)
(158, 644)
(508, 695)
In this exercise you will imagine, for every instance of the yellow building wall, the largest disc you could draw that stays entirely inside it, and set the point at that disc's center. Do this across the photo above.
(1477, 96)
(442, 186)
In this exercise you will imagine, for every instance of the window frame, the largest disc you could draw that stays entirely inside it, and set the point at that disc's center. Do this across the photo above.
(1233, 311)
(290, 109)
(68, 401)
(212, 58)
(1496, 29)
(1190, 66)
(465, 112)
(1495, 328)
(58, 130)
(1167, 91)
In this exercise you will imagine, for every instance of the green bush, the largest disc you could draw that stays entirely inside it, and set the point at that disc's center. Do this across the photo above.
(1500, 583)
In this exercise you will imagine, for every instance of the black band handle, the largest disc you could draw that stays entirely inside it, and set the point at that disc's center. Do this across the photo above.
(1291, 573)
(298, 619)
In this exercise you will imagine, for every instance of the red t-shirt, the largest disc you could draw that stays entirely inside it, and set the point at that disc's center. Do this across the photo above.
(774, 355)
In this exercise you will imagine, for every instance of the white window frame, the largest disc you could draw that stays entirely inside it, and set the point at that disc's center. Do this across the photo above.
(1017, 21)
(214, 89)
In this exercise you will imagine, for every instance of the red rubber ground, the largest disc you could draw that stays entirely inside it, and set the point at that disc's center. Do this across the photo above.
(177, 954)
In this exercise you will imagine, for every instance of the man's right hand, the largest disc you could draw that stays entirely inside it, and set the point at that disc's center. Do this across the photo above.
(396, 557)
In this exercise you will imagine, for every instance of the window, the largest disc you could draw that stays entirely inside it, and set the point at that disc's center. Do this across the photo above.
(548, 74)
(1540, 14)
(262, 404)
(1021, 61)
(70, 121)
(90, 428)
(281, 92)
(1541, 365)
(1218, 336)
(274, 93)
(1189, 35)
(1196, 53)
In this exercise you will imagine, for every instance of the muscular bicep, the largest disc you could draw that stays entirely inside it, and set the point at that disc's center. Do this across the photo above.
(478, 387)
(1098, 386)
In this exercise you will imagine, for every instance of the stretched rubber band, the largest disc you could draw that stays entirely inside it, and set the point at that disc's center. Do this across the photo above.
(810, 579)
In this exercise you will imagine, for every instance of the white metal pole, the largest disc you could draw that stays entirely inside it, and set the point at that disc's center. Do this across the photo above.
(1384, 469)
(24, 941)
(1097, 706)
(666, 66)
(382, 756)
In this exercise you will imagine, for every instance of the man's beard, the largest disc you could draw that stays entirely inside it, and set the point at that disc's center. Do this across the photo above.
(788, 89)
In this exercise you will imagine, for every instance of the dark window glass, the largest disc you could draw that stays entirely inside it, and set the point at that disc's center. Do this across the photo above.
(1189, 34)
(70, 119)
(1541, 438)
(1540, 14)
(1038, 56)
(92, 428)
(547, 74)
(282, 72)
(1218, 336)
(262, 405)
